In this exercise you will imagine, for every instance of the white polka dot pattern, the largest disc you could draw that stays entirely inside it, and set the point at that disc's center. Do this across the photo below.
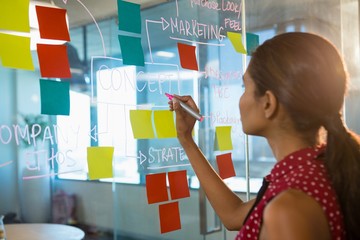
(302, 170)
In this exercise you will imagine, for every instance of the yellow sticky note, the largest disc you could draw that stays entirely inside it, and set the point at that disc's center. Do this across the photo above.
(236, 41)
(100, 162)
(223, 140)
(14, 15)
(141, 124)
(15, 52)
(164, 124)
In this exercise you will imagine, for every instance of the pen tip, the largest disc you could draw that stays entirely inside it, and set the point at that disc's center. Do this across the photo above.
(169, 96)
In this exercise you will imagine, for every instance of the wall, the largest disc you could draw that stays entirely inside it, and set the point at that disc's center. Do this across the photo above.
(30, 200)
(8, 173)
(98, 206)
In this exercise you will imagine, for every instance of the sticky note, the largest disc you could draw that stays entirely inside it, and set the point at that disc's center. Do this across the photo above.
(223, 138)
(52, 23)
(252, 42)
(14, 15)
(53, 61)
(225, 166)
(55, 97)
(156, 189)
(178, 182)
(236, 41)
(99, 161)
(164, 124)
(129, 16)
(15, 52)
(187, 56)
(141, 124)
(169, 215)
(131, 50)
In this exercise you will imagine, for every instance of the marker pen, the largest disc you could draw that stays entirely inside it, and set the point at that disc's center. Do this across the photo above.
(188, 109)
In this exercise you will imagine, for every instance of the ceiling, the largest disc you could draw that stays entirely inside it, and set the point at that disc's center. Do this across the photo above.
(80, 10)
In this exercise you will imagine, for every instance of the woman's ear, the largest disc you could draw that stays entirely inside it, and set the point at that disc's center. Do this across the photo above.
(270, 104)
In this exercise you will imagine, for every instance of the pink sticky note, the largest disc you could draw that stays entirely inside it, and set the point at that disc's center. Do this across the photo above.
(169, 217)
(187, 56)
(178, 182)
(225, 166)
(156, 189)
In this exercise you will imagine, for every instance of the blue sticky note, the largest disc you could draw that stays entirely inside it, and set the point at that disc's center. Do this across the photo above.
(252, 42)
(131, 50)
(129, 16)
(55, 97)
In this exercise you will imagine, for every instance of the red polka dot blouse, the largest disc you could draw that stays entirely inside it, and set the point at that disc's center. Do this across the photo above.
(304, 171)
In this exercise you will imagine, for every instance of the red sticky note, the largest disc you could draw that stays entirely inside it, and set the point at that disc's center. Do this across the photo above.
(225, 166)
(52, 23)
(53, 61)
(156, 189)
(187, 56)
(178, 182)
(169, 217)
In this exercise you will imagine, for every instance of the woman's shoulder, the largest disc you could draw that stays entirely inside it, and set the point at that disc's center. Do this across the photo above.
(293, 211)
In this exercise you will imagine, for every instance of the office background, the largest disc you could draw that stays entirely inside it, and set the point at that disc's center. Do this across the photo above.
(99, 115)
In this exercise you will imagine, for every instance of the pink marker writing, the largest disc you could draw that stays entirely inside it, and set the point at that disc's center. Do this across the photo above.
(188, 109)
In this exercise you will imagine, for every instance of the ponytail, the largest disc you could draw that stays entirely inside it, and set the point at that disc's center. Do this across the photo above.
(342, 160)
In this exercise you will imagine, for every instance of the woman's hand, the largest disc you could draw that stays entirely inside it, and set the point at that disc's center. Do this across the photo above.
(184, 121)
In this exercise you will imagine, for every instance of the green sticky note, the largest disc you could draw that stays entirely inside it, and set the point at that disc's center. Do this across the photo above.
(131, 50)
(236, 41)
(99, 161)
(252, 42)
(55, 97)
(164, 124)
(223, 140)
(14, 15)
(129, 16)
(141, 124)
(15, 52)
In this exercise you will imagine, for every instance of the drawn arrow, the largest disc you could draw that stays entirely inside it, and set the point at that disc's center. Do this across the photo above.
(165, 24)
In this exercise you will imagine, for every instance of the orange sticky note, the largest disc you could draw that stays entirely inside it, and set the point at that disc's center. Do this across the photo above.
(52, 23)
(100, 162)
(53, 61)
(15, 52)
(164, 124)
(225, 166)
(178, 182)
(187, 56)
(156, 189)
(169, 217)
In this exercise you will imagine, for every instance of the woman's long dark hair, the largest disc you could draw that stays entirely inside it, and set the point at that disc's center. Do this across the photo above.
(308, 76)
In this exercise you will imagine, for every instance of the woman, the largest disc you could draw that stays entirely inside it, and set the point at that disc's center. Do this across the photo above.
(294, 86)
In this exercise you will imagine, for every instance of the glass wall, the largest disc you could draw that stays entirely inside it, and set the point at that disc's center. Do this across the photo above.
(104, 92)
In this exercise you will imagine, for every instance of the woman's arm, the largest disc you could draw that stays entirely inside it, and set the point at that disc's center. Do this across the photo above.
(229, 207)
